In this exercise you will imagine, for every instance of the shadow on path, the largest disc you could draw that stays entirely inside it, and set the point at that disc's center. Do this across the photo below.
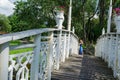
(94, 68)
(83, 68)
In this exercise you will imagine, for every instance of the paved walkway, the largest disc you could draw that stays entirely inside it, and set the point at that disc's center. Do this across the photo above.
(83, 68)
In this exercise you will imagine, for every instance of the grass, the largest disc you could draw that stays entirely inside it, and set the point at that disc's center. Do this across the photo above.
(17, 42)
(20, 50)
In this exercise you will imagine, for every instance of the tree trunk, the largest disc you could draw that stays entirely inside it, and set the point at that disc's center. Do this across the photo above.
(84, 28)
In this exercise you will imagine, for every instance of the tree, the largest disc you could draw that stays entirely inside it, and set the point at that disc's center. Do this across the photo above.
(83, 12)
(4, 24)
(35, 13)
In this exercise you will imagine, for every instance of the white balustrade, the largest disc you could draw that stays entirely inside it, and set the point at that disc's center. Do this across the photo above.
(68, 45)
(108, 48)
(4, 54)
(47, 54)
(64, 47)
(18, 63)
(36, 58)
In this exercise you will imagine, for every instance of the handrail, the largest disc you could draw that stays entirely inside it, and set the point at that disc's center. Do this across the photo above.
(42, 60)
(19, 35)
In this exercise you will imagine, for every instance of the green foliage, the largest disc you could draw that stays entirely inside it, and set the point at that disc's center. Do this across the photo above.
(80, 16)
(13, 43)
(4, 24)
(35, 13)
(32, 14)
(18, 25)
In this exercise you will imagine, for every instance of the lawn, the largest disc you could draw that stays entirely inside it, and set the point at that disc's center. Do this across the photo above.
(17, 51)
(20, 50)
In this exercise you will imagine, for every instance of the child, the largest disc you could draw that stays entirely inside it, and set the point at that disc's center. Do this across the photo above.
(81, 48)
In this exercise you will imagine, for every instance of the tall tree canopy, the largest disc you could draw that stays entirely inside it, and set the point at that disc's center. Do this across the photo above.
(39, 14)
(35, 14)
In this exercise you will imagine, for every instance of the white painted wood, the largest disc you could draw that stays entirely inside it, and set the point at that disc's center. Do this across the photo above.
(4, 54)
(74, 46)
(115, 58)
(35, 62)
(33, 57)
(109, 51)
(4, 39)
(19, 65)
(45, 37)
(50, 52)
(73, 29)
(19, 35)
(68, 46)
(58, 50)
(43, 61)
(55, 46)
(108, 47)
(103, 31)
(64, 48)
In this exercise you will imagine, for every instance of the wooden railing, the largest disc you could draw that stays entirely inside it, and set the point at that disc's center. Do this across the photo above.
(50, 48)
(108, 48)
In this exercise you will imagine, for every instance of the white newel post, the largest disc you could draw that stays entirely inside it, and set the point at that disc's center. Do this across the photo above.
(109, 51)
(117, 22)
(59, 17)
(116, 58)
(4, 56)
(64, 48)
(68, 46)
(50, 56)
(35, 62)
(103, 31)
(59, 50)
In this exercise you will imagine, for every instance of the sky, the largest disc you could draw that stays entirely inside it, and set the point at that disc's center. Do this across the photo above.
(6, 7)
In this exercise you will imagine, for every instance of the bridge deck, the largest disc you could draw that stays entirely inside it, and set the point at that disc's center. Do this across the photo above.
(83, 68)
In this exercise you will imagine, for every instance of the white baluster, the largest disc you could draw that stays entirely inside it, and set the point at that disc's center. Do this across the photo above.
(64, 48)
(117, 68)
(50, 56)
(35, 62)
(73, 29)
(116, 58)
(68, 46)
(103, 31)
(109, 51)
(58, 50)
(4, 53)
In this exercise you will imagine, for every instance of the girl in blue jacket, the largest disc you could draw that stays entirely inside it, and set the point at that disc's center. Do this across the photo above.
(81, 48)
